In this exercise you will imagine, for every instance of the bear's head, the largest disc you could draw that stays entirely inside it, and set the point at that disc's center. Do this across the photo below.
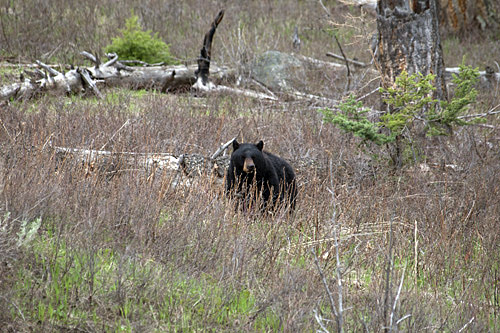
(247, 157)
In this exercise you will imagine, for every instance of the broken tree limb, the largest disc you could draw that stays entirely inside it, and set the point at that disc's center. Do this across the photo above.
(49, 69)
(90, 83)
(202, 73)
(63, 83)
(482, 115)
(349, 75)
(244, 92)
(222, 148)
(486, 77)
(202, 82)
(91, 57)
(319, 63)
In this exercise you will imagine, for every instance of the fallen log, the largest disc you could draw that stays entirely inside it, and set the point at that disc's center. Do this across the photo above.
(116, 73)
(80, 79)
(110, 164)
(70, 82)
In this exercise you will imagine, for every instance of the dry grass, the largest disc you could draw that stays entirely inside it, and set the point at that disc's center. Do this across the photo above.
(135, 253)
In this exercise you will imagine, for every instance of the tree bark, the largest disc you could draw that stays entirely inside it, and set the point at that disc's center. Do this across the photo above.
(466, 15)
(409, 40)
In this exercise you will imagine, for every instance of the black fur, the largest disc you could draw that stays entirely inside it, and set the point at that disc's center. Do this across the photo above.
(273, 176)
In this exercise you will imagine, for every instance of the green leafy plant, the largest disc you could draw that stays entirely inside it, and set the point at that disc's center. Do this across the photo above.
(28, 231)
(352, 118)
(442, 119)
(409, 101)
(410, 96)
(137, 44)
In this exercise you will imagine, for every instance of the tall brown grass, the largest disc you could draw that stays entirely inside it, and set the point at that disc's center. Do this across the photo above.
(444, 210)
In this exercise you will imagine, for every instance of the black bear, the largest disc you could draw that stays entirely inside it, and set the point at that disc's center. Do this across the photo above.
(271, 175)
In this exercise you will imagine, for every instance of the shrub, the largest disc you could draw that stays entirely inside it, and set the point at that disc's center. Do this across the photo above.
(137, 44)
(410, 101)
(352, 119)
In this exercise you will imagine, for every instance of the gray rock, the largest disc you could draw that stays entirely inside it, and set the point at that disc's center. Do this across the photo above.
(277, 70)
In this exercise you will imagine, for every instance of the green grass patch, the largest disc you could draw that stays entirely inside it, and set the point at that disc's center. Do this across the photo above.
(67, 286)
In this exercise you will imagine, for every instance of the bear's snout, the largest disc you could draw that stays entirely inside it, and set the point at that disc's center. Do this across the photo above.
(248, 165)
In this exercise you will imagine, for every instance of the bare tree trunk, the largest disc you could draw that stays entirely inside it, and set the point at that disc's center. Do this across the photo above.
(409, 41)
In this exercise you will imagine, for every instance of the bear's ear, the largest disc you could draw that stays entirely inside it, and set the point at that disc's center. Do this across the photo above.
(260, 145)
(236, 145)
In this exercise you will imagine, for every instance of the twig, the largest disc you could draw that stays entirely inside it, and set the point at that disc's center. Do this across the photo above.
(348, 84)
(403, 318)
(388, 274)
(480, 115)
(415, 266)
(396, 299)
(325, 284)
(319, 320)
(354, 62)
(485, 126)
(337, 313)
(118, 130)
(366, 95)
(465, 326)
(15, 305)
(336, 242)
(221, 149)
(344, 237)
(6, 130)
(470, 211)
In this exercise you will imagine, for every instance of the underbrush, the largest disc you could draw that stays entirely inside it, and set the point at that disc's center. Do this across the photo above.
(62, 286)
(149, 252)
(127, 248)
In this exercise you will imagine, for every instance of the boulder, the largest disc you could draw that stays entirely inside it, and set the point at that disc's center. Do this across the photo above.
(278, 71)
